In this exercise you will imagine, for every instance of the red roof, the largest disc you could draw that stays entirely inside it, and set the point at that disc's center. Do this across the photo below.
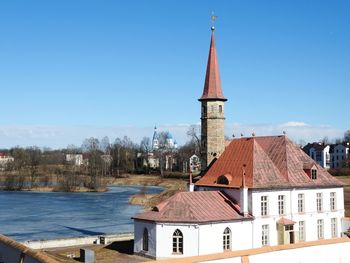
(270, 162)
(194, 207)
(285, 221)
(212, 86)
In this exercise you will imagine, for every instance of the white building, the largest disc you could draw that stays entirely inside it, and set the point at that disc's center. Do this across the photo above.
(319, 152)
(257, 192)
(339, 154)
(76, 159)
(5, 159)
(261, 191)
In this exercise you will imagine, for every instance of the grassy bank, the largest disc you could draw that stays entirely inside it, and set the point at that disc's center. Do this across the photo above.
(171, 186)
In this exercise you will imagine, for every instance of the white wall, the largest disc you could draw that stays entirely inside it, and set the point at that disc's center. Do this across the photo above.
(139, 227)
(310, 216)
(330, 253)
(202, 239)
(165, 243)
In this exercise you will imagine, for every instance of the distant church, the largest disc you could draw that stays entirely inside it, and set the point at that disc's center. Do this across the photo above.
(256, 192)
(167, 142)
(162, 143)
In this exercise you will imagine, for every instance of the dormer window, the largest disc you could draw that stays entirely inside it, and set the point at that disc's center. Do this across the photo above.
(313, 174)
(223, 180)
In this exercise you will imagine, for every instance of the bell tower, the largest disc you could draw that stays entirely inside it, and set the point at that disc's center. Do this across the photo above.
(212, 113)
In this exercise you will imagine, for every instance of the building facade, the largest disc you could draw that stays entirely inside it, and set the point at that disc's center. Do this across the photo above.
(256, 192)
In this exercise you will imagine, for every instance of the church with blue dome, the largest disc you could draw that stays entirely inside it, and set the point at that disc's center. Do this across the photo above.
(163, 139)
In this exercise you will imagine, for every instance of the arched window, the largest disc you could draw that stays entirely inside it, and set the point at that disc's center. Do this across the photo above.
(177, 242)
(227, 239)
(223, 180)
(145, 240)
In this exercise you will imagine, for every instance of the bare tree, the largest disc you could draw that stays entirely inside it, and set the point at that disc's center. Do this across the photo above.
(194, 134)
(145, 147)
(347, 136)
(105, 145)
(34, 161)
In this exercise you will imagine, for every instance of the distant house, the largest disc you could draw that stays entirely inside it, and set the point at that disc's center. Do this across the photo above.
(76, 159)
(195, 164)
(339, 154)
(5, 159)
(319, 152)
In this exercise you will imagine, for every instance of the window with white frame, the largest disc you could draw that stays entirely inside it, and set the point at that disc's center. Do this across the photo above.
(177, 242)
(320, 234)
(333, 201)
(301, 203)
(301, 230)
(319, 202)
(334, 231)
(227, 239)
(264, 235)
(281, 204)
(264, 205)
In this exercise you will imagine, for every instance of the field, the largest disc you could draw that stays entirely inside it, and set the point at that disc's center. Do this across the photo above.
(346, 179)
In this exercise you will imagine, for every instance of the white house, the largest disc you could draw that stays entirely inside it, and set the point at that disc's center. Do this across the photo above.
(261, 191)
(319, 152)
(76, 159)
(4, 159)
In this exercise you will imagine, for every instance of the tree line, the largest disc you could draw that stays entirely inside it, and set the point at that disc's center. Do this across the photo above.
(44, 167)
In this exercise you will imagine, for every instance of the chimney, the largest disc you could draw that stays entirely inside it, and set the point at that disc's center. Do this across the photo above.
(243, 194)
(191, 184)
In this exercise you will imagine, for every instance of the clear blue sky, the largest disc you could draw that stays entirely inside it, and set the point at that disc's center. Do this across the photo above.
(68, 66)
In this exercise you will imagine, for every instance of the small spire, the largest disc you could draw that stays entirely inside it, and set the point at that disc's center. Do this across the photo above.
(213, 18)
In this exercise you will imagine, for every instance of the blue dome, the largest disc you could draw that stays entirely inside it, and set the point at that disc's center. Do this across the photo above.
(169, 136)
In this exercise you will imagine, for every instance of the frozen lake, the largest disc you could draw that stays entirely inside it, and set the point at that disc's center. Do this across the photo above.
(37, 215)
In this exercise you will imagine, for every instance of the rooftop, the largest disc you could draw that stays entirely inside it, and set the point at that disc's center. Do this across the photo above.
(198, 207)
(268, 162)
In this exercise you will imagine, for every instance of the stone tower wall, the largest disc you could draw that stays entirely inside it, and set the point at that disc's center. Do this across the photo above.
(212, 134)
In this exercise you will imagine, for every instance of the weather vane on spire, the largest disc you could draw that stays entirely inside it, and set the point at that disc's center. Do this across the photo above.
(213, 18)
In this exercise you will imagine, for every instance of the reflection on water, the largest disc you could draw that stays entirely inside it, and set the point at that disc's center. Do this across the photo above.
(38, 215)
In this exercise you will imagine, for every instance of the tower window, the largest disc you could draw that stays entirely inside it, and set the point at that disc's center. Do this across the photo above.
(220, 108)
(204, 111)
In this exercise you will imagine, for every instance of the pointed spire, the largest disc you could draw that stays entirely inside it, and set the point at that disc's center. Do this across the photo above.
(212, 86)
